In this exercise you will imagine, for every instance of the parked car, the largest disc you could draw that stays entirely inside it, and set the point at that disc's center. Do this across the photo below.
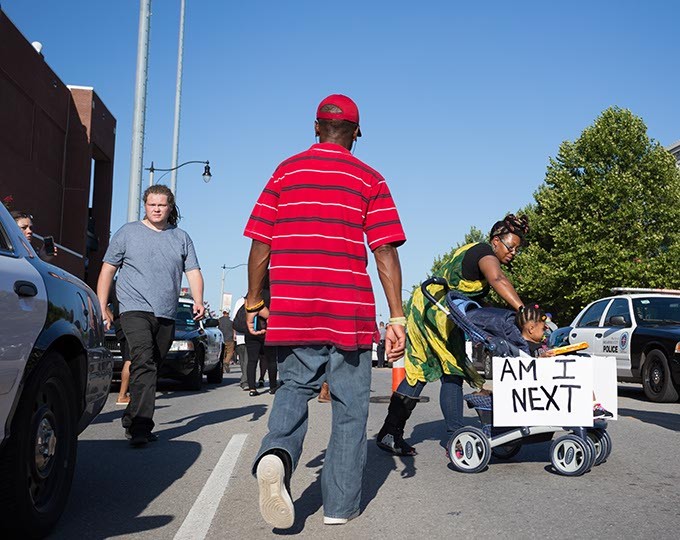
(55, 374)
(197, 350)
(641, 328)
(481, 358)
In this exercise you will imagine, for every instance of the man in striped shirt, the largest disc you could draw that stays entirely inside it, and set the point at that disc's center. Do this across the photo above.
(309, 227)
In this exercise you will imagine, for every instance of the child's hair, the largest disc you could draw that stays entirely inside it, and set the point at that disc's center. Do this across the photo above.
(528, 314)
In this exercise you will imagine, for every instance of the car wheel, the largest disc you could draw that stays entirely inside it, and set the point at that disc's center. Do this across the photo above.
(37, 464)
(488, 365)
(656, 378)
(194, 380)
(216, 375)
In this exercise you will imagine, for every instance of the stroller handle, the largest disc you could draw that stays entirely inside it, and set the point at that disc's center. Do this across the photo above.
(433, 281)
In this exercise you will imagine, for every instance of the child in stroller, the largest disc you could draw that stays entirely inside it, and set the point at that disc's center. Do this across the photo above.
(470, 449)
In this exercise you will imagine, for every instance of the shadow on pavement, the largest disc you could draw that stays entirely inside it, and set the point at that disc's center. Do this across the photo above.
(665, 420)
(114, 485)
(632, 392)
(378, 466)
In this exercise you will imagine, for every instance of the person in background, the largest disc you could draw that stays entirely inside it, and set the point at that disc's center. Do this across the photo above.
(260, 353)
(381, 345)
(123, 397)
(25, 223)
(241, 351)
(150, 256)
(226, 325)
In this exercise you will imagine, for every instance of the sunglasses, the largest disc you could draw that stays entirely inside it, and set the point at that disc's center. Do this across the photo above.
(511, 249)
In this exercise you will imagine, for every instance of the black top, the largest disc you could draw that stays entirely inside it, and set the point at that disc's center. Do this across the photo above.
(534, 348)
(470, 267)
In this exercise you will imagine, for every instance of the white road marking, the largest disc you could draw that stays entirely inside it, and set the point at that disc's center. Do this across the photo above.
(199, 518)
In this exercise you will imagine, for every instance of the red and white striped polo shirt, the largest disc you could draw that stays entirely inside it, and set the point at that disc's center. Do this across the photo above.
(314, 213)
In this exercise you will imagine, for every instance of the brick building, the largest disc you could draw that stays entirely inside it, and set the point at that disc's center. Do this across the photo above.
(56, 154)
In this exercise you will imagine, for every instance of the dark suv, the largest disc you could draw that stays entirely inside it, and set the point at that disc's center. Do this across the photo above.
(55, 375)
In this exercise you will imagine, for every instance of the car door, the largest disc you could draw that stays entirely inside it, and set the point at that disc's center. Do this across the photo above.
(213, 342)
(617, 329)
(588, 327)
(23, 310)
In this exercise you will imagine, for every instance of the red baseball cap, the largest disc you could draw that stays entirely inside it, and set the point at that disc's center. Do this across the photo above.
(348, 109)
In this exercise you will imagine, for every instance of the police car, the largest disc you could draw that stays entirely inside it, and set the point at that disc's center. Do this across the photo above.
(641, 329)
(55, 375)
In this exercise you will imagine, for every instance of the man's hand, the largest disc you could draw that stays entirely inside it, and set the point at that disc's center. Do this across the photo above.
(395, 342)
(250, 320)
(199, 311)
(107, 316)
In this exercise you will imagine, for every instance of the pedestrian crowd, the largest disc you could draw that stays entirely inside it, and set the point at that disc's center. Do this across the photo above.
(308, 319)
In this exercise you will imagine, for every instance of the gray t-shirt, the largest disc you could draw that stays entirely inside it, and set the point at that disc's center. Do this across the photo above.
(151, 265)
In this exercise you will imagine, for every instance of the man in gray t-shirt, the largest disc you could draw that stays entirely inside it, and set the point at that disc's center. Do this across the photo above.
(150, 256)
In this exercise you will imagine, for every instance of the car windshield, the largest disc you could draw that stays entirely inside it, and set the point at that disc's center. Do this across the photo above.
(184, 320)
(657, 311)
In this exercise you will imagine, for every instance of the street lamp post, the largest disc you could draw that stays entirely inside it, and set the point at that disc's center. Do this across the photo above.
(207, 175)
(225, 269)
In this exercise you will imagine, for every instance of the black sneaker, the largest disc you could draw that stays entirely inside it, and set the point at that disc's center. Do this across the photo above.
(260, 384)
(142, 439)
(600, 412)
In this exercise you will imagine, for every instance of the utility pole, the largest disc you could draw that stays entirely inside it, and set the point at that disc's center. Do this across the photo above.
(224, 268)
(137, 154)
(178, 99)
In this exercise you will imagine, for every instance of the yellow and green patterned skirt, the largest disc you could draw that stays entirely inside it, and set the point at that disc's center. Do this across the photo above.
(435, 346)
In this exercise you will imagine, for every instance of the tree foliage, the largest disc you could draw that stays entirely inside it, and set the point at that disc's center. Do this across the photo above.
(606, 216)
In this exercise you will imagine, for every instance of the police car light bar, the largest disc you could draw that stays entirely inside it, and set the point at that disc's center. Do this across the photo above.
(627, 290)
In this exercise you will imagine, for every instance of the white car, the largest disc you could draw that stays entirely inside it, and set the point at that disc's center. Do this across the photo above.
(55, 375)
(641, 328)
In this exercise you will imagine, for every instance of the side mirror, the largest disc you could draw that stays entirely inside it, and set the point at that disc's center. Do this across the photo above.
(618, 320)
(211, 323)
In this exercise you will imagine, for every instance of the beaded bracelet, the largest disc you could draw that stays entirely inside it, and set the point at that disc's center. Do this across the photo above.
(256, 307)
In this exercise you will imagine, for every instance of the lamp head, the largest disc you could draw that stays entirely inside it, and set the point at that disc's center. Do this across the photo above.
(206, 172)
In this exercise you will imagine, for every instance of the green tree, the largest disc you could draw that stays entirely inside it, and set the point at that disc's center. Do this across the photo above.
(606, 216)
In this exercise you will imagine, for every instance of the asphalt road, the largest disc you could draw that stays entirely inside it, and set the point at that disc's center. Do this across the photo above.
(195, 481)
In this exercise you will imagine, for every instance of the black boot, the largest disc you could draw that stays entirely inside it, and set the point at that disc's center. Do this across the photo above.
(391, 435)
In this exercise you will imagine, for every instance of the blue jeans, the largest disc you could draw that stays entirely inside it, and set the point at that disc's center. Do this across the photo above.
(348, 373)
(450, 398)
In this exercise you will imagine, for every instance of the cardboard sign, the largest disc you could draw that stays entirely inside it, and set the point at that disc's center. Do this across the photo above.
(552, 391)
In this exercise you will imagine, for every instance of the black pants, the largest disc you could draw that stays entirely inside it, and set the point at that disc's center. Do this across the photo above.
(380, 351)
(255, 348)
(149, 339)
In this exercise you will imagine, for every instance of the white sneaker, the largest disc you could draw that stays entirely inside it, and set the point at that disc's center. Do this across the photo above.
(336, 521)
(276, 505)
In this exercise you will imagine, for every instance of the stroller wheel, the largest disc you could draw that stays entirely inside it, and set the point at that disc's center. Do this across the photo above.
(592, 451)
(469, 450)
(507, 451)
(601, 440)
(570, 455)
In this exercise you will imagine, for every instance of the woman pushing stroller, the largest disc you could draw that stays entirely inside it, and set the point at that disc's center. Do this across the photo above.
(436, 346)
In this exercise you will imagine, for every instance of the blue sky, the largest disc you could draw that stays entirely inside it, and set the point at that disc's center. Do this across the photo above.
(462, 103)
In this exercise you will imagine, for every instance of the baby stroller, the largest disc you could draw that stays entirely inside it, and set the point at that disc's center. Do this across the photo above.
(470, 448)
